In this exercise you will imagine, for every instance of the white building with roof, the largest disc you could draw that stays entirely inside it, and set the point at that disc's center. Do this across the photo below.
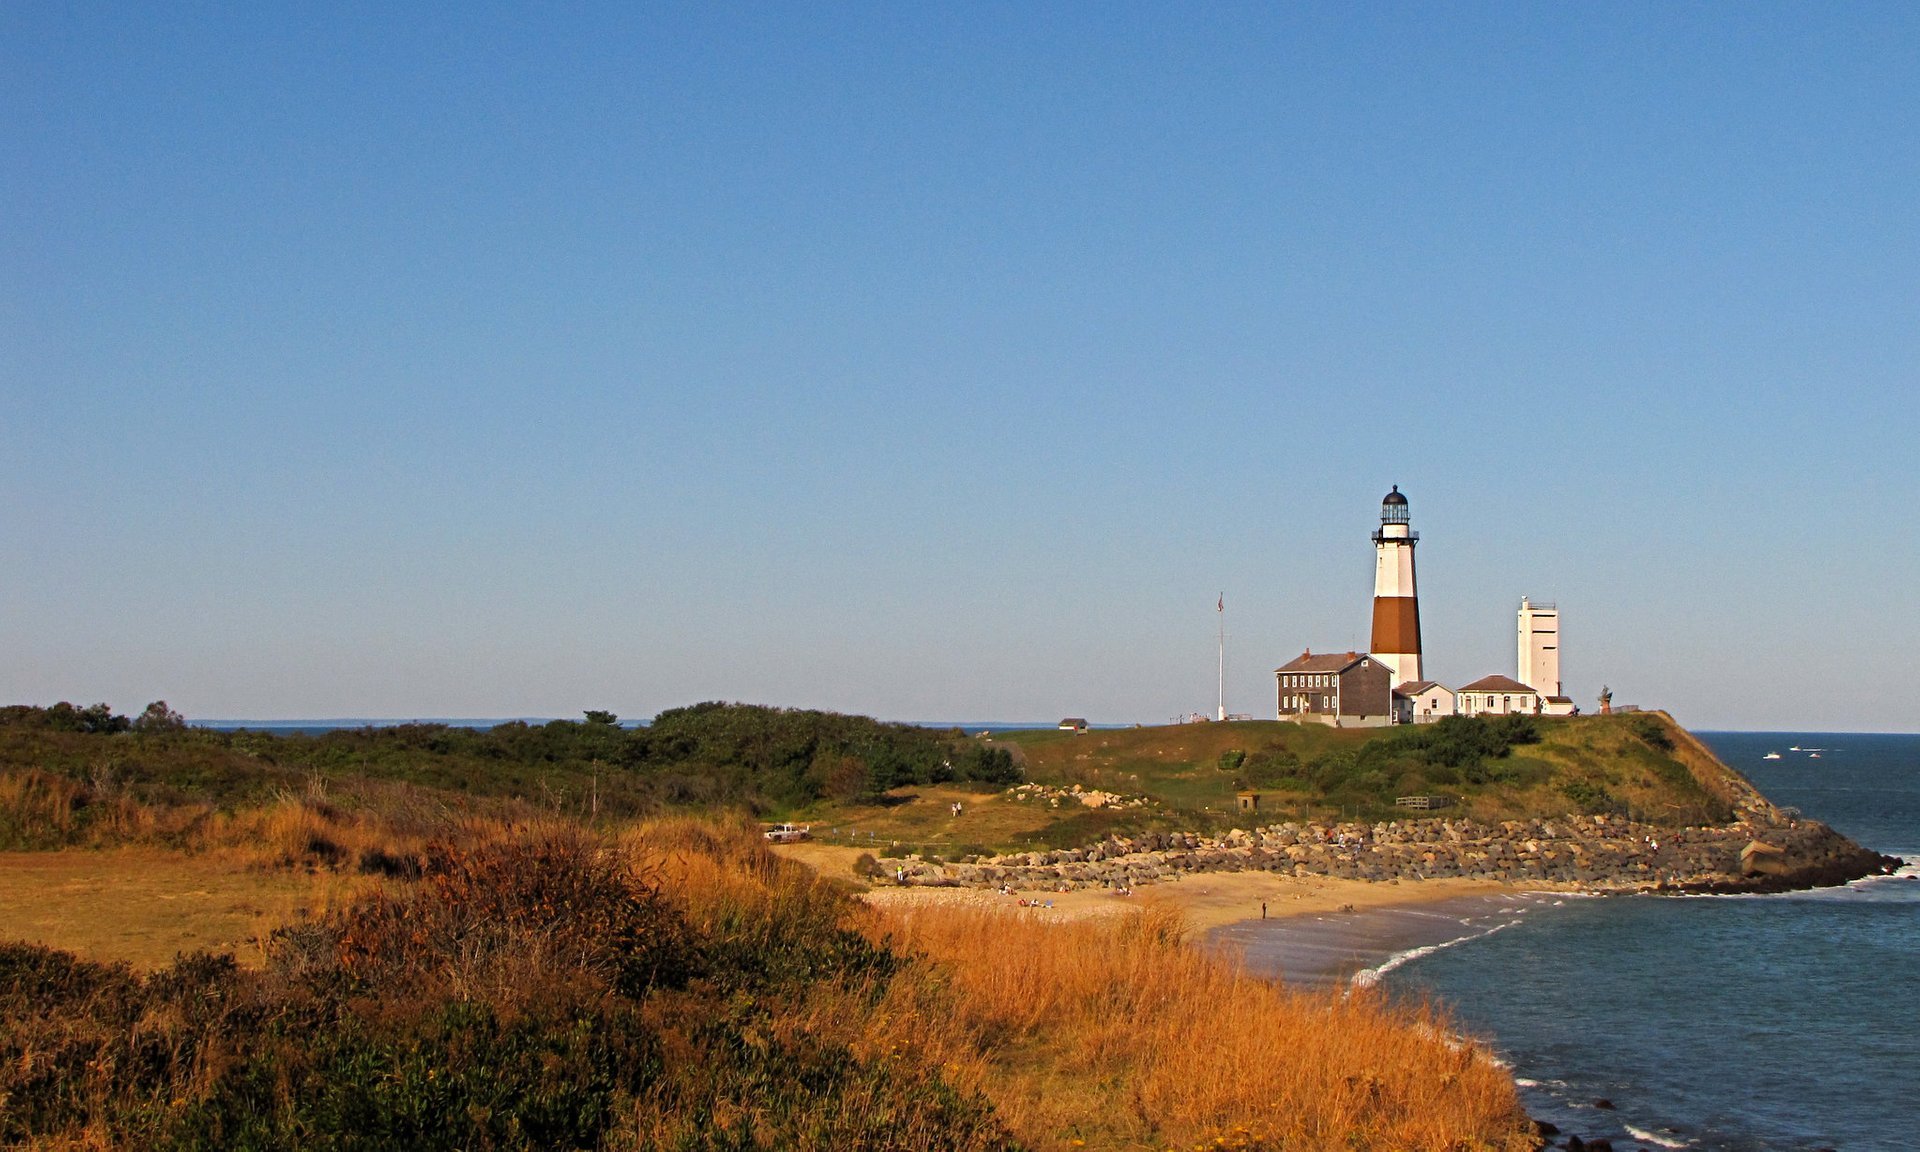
(1498, 696)
(1423, 702)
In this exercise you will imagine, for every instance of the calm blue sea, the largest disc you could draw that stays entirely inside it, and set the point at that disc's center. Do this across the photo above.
(1728, 1023)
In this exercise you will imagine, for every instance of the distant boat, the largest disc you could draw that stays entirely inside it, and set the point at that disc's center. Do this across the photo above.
(1795, 748)
(1771, 756)
(1813, 755)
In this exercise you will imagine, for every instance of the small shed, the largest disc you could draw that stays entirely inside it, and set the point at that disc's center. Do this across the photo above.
(1249, 801)
(1074, 724)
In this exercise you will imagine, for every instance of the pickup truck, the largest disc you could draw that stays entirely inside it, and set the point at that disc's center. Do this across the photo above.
(788, 833)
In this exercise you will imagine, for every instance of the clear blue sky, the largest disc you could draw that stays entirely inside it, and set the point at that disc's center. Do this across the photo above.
(947, 361)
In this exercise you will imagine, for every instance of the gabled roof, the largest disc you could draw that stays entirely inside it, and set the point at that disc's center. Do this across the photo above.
(1415, 687)
(1497, 684)
(1328, 662)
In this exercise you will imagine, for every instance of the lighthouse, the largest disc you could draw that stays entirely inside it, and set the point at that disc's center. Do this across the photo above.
(1396, 606)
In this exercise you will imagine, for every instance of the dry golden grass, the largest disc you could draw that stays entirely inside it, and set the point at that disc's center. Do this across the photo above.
(145, 905)
(1117, 1033)
(48, 804)
(1114, 1032)
(368, 825)
(142, 882)
(724, 869)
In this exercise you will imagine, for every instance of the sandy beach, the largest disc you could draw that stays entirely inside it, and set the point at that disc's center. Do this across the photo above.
(1210, 900)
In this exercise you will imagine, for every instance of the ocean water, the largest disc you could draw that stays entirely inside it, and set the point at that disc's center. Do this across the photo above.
(1716, 1023)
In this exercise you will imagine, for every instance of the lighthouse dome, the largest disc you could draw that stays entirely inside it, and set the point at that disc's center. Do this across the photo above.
(1393, 509)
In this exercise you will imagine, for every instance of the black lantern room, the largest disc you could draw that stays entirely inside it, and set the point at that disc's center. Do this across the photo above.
(1393, 509)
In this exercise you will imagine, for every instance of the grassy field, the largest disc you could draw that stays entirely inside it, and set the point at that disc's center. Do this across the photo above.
(924, 816)
(143, 906)
(1177, 763)
(1638, 765)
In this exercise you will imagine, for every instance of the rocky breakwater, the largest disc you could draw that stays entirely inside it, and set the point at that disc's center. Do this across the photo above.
(1764, 851)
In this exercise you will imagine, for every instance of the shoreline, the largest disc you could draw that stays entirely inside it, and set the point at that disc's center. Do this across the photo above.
(1209, 900)
(1586, 853)
(1213, 901)
(1228, 882)
(1318, 932)
(1358, 947)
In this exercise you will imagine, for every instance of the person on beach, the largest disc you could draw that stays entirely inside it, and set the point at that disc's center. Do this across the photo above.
(1263, 909)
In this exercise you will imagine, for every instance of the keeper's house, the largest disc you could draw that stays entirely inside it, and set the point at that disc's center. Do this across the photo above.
(1344, 689)
(1498, 696)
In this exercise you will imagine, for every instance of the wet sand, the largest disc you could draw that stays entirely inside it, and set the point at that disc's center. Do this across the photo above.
(1320, 949)
(1214, 899)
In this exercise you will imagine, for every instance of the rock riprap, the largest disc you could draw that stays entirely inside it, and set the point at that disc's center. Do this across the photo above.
(1596, 853)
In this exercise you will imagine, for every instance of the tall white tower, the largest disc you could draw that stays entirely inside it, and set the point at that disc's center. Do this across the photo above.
(1540, 647)
(1396, 605)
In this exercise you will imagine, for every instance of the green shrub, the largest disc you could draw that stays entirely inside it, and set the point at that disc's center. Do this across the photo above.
(1650, 729)
(1591, 798)
(706, 756)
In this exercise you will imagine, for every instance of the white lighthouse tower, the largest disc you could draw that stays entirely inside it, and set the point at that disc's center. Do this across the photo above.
(1396, 605)
(1540, 647)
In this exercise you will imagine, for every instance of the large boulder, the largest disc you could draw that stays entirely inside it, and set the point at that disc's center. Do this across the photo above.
(1760, 858)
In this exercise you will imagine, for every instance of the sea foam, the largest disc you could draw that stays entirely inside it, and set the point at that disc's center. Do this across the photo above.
(1645, 1136)
(1368, 977)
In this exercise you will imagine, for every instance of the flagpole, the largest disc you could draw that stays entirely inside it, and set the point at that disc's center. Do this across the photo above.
(1221, 607)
